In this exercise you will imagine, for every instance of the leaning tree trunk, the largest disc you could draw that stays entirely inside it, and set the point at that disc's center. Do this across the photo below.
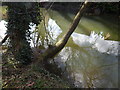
(51, 52)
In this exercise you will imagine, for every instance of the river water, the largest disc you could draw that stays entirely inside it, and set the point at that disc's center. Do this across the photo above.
(87, 60)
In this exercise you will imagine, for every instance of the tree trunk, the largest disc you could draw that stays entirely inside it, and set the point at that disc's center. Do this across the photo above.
(51, 52)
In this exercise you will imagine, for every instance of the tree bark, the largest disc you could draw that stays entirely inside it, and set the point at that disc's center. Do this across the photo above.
(51, 52)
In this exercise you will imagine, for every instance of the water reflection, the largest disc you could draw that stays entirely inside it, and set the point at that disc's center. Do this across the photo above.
(91, 69)
(93, 64)
(2, 29)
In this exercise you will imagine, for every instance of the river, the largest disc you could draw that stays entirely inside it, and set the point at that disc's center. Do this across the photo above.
(88, 60)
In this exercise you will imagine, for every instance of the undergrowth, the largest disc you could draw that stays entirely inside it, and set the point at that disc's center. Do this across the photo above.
(30, 76)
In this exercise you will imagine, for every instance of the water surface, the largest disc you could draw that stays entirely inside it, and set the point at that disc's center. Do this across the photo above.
(89, 61)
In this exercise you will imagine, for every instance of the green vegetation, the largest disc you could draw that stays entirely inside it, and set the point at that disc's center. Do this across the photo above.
(19, 18)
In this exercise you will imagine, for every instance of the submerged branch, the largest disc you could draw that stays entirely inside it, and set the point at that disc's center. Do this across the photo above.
(4, 39)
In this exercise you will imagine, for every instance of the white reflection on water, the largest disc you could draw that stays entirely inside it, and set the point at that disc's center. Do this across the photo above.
(97, 42)
(93, 69)
(2, 29)
(53, 29)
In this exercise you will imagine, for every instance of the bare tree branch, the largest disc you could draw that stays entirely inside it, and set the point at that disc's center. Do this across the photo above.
(51, 52)
(4, 39)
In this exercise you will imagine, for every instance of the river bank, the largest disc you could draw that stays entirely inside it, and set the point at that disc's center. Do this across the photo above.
(31, 76)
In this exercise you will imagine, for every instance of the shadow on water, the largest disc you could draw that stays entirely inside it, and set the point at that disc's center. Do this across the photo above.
(111, 22)
(106, 24)
(70, 19)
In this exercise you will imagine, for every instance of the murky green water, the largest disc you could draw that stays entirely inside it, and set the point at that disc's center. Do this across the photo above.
(106, 24)
(86, 66)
